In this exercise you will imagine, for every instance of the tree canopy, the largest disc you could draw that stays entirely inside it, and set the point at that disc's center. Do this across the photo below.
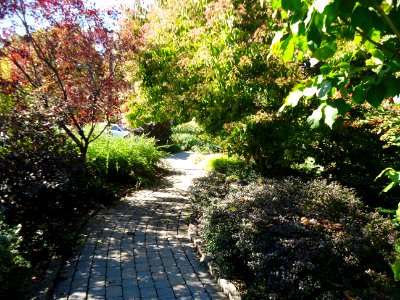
(61, 59)
(206, 59)
(355, 46)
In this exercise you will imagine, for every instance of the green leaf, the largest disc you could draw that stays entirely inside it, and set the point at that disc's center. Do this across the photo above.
(376, 94)
(375, 35)
(325, 69)
(324, 89)
(357, 38)
(364, 18)
(275, 4)
(394, 176)
(293, 98)
(324, 52)
(321, 4)
(275, 45)
(344, 65)
(288, 49)
(396, 269)
(341, 105)
(331, 114)
(378, 54)
(316, 116)
(346, 7)
(392, 86)
(388, 187)
(303, 43)
(360, 93)
(291, 5)
(314, 37)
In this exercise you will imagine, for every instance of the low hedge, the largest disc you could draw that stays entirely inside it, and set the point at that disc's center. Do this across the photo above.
(294, 239)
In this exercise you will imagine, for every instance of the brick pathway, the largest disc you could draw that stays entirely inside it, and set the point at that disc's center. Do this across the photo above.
(139, 249)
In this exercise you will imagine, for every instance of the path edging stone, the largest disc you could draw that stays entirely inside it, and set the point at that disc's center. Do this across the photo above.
(229, 289)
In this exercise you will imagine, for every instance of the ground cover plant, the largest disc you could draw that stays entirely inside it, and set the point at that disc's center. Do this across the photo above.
(294, 239)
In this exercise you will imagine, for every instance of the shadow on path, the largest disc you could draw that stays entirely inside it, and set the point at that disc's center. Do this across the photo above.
(139, 248)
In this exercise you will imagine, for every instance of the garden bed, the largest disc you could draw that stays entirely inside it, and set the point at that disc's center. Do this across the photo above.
(293, 239)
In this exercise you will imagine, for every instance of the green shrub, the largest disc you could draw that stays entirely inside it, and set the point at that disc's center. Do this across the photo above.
(294, 239)
(226, 165)
(190, 137)
(351, 153)
(123, 159)
(13, 265)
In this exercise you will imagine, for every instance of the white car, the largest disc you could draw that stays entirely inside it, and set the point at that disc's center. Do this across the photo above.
(118, 131)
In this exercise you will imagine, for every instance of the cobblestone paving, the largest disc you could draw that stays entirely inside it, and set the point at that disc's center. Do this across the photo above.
(139, 248)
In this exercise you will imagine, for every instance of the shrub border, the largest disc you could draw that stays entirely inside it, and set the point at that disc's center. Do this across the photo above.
(229, 289)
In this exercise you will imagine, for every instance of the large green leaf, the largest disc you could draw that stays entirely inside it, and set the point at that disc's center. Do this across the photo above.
(316, 116)
(276, 4)
(331, 114)
(314, 37)
(392, 86)
(376, 94)
(324, 52)
(321, 4)
(346, 7)
(360, 93)
(288, 48)
(324, 89)
(365, 19)
(341, 105)
(293, 98)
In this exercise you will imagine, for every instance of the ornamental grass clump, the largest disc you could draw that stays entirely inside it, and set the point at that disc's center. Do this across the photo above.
(119, 160)
(294, 239)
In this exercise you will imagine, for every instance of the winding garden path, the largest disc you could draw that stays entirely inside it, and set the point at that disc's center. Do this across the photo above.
(139, 248)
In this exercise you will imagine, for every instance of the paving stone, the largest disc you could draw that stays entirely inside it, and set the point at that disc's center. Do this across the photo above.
(161, 284)
(112, 281)
(165, 293)
(97, 292)
(181, 290)
(148, 293)
(114, 291)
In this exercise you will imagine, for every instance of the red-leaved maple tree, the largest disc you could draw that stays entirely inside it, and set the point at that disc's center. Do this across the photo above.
(62, 59)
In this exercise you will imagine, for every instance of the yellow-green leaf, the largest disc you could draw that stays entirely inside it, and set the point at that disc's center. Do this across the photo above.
(293, 98)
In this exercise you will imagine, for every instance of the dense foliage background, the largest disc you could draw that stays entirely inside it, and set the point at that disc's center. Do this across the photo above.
(304, 95)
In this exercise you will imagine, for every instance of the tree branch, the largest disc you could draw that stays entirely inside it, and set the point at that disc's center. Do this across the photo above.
(379, 45)
(388, 21)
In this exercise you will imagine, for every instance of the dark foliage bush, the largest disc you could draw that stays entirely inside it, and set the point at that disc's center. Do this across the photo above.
(294, 239)
(161, 131)
(41, 185)
(12, 265)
